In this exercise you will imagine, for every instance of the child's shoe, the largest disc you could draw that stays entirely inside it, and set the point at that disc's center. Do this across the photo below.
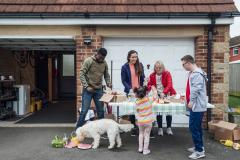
(145, 152)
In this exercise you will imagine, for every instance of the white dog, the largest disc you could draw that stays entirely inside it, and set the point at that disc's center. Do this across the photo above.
(95, 129)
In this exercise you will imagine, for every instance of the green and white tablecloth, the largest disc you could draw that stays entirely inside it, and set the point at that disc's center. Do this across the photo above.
(128, 108)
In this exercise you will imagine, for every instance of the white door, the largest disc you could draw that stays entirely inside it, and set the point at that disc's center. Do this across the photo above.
(168, 50)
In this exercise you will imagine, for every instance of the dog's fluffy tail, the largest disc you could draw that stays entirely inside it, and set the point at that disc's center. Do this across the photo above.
(125, 127)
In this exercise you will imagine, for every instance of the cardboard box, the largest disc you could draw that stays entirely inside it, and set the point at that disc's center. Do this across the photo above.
(119, 98)
(236, 134)
(224, 131)
(113, 98)
(212, 125)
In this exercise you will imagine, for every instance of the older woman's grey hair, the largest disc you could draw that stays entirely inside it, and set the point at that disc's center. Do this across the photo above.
(160, 63)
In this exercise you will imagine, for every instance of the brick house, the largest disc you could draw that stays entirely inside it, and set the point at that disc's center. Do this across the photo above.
(235, 49)
(154, 28)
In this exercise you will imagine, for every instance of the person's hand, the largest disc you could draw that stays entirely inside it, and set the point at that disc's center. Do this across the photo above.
(153, 88)
(162, 95)
(190, 105)
(90, 89)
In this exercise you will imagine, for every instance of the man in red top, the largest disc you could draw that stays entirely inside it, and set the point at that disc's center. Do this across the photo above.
(197, 103)
(160, 81)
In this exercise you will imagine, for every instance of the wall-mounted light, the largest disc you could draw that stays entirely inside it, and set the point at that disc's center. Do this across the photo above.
(87, 41)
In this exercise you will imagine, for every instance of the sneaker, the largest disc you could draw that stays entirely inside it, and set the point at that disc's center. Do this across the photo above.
(140, 150)
(145, 152)
(169, 131)
(192, 149)
(151, 134)
(160, 132)
(197, 155)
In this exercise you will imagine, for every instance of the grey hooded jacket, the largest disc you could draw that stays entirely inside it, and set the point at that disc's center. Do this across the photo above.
(198, 94)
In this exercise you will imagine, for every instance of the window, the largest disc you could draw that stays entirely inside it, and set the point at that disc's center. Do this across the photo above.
(235, 51)
(68, 65)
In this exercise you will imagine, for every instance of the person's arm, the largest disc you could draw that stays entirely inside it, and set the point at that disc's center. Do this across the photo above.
(149, 84)
(107, 77)
(123, 78)
(196, 86)
(83, 72)
(169, 85)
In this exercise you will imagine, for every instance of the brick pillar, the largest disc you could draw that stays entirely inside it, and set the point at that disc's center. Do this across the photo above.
(83, 51)
(220, 68)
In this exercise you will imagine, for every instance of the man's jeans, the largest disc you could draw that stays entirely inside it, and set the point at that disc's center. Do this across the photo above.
(195, 126)
(86, 102)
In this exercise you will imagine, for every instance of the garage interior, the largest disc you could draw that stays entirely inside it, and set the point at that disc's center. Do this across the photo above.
(45, 69)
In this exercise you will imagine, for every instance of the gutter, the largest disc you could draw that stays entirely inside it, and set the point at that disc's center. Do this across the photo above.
(209, 63)
(88, 15)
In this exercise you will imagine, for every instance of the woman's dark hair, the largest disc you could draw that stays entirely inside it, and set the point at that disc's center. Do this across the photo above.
(140, 91)
(138, 67)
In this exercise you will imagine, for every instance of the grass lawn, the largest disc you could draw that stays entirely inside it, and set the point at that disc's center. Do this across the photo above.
(234, 101)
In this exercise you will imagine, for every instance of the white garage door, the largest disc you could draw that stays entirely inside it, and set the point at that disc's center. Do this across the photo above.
(170, 51)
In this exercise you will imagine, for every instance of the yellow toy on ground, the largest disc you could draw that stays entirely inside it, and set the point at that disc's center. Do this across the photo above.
(227, 143)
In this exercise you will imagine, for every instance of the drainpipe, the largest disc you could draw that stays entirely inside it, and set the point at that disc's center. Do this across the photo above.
(209, 64)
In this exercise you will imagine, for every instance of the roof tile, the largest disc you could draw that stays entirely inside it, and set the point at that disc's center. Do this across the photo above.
(121, 6)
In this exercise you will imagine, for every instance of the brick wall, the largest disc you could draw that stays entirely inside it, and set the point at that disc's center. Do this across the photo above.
(220, 67)
(83, 51)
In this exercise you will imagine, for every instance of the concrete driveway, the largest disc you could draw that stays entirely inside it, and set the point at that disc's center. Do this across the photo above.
(34, 143)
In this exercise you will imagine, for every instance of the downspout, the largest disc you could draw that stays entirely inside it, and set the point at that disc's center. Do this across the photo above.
(209, 64)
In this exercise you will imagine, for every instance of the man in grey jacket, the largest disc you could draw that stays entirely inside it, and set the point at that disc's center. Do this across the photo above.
(197, 103)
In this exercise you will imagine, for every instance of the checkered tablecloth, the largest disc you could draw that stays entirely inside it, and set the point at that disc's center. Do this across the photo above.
(128, 108)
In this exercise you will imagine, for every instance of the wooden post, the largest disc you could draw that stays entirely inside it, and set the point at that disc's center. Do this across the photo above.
(50, 91)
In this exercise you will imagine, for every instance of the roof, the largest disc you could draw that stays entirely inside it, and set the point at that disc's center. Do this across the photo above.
(235, 41)
(117, 6)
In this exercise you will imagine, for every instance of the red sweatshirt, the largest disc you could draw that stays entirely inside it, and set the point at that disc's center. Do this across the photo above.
(166, 82)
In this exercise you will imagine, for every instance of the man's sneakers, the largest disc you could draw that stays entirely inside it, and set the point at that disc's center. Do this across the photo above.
(192, 149)
(169, 131)
(197, 155)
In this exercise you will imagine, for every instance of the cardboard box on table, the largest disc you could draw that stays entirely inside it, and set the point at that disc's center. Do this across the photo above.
(113, 98)
(106, 98)
(226, 131)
